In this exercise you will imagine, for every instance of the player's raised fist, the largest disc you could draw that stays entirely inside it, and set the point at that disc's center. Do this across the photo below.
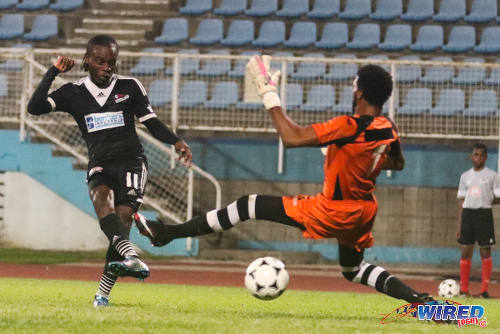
(64, 64)
(264, 81)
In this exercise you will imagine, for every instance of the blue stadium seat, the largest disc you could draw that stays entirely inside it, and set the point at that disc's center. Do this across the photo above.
(3, 85)
(261, 8)
(44, 27)
(387, 10)
(241, 32)
(293, 8)
(438, 74)
(271, 33)
(450, 11)
(175, 30)
(192, 93)
(450, 102)
(356, 9)
(319, 98)
(461, 39)
(303, 34)
(387, 105)
(419, 10)
(11, 26)
(66, 5)
(482, 11)
(278, 64)
(490, 41)
(494, 77)
(6, 4)
(231, 7)
(249, 105)
(33, 4)
(224, 94)
(294, 96)
(160, 93)
(397, 37)
(418, 101)
(429, 38)
(483, 103)
(470, 75)
(334, 36)
(310, 70)
(408, 73)
(324, 9)
(196, 7)
(14, 64)
(238, 70)
(187, 65)
(211, 67)
(366, 36)
(209, 32)
(149, 65)
(345, 101)
(342, 71)
(386, 67)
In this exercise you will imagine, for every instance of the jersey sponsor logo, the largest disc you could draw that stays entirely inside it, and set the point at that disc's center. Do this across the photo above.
(102, 121)
(120, 97)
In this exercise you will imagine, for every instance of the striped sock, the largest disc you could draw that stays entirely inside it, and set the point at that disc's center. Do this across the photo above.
(234, 213)
(124, 247)
(106, 284)
(374, 276)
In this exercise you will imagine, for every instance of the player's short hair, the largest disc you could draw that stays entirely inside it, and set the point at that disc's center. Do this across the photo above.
(102, 40)
(480, 146)
(376, 84)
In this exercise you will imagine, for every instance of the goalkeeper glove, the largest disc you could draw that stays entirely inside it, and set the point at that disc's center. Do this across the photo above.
(265, 82)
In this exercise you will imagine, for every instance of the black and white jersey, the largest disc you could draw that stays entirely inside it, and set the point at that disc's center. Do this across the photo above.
(106, 116)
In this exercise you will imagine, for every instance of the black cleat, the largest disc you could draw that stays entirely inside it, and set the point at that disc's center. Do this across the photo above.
(484, 295)
(132, 266)
(424, 298)
(154, 230)
(464, 294)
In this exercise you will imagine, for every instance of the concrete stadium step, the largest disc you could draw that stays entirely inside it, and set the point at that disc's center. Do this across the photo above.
(82, 41)
(132, 8)
(117, 24)
(116, 33)
(246, 255)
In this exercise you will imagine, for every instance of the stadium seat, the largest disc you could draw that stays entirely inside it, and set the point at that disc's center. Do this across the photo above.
(303, 34)
(294, 96)
(418, 101)
(14, 64)
(482, 11)
(324, 9)
(3, 85)
(419, 10)
(6, 4)
(196, 7)
(160, 93)
(386, 67)
(231, 7)
(192, 93)
(11, 26)
(408, 73)
(44, 27)
(470, 75)
(310, 70)
(366, 36)
(397, 37)
(450, 11)
(334, 36)
(387, 10)
(483, 102)
(66, 5)
(149, 65)
(224, 94)
(278, 64)
(494, 77)
(187, 65)
(261, 8)
(356, 9)
(319, 98)
(241, 32)
(342, 71)
(450, 102)
(33, 4)
(293, 8)
(490, 41)
(387, 105)
(238, 70)
(209, 32)
(429, 38)
(438, 74)
(215, 67)
(461, 39)
(272, 33)
(175, 30)
(345, 101)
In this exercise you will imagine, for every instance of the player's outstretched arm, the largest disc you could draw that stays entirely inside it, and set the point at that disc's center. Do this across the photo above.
(292, 134)
(395, 159)
(38, 103)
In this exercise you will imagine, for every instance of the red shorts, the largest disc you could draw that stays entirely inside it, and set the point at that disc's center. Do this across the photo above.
(349, 221)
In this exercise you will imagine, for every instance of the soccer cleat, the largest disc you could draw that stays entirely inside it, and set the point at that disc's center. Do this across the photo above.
(132, 266)
(464, 294)
(424, 298)
(484, 295)
(100, 301)
(154, 230)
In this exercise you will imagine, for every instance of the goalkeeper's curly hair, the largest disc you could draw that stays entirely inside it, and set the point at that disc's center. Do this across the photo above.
(376, 84)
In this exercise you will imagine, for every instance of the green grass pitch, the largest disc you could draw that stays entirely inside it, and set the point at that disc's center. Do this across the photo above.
(44, 306)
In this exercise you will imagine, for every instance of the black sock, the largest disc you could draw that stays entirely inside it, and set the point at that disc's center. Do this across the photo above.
(397, 289)
(117, 235)
(194, 227)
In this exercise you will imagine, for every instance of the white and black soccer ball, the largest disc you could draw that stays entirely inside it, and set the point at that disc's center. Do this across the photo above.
(266, 278)
(448, 288)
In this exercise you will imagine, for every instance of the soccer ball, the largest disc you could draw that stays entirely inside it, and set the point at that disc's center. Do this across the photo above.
(448, 288)
(266, 278)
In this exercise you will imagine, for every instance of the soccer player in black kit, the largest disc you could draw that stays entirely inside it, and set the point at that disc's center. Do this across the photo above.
(104, 105)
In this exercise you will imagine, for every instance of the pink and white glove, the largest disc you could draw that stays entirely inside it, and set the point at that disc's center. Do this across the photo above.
(265, 82)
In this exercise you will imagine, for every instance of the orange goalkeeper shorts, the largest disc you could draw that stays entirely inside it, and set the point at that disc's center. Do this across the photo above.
(349, 221)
